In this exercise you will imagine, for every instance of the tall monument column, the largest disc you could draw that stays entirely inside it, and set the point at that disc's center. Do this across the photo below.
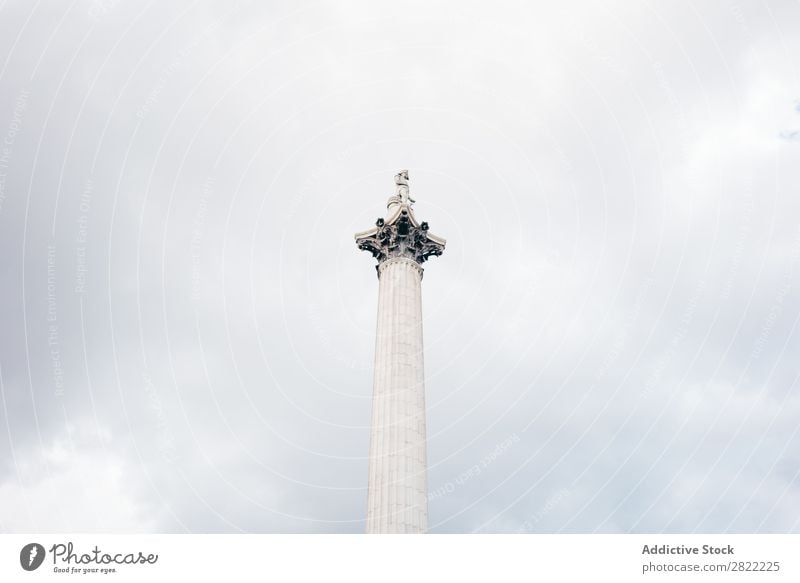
(397, 491)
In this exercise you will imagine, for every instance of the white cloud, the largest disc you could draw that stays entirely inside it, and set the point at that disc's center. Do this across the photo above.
(74, 483)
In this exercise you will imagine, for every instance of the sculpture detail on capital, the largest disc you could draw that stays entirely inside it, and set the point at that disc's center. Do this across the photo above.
(399, 234)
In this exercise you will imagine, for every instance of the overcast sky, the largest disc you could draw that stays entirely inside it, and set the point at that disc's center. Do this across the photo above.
(187, 327)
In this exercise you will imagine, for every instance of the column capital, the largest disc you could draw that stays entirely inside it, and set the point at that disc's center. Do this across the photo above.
(400, 234)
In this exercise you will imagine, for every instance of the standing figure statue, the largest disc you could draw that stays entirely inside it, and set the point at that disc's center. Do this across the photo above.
(401, 180)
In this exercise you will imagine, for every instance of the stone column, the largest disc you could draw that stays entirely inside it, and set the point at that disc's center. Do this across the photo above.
(397, 494)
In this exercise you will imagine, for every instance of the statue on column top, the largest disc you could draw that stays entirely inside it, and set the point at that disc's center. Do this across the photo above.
(401, 180)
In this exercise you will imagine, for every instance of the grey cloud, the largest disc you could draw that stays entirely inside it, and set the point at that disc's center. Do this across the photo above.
(609, 336)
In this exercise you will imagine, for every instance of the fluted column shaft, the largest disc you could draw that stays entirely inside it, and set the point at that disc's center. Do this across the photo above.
(396, 500)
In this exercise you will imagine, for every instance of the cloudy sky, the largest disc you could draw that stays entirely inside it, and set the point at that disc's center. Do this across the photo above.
(187, 327)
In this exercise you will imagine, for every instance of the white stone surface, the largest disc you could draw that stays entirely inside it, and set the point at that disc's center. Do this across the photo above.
(397, 493)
